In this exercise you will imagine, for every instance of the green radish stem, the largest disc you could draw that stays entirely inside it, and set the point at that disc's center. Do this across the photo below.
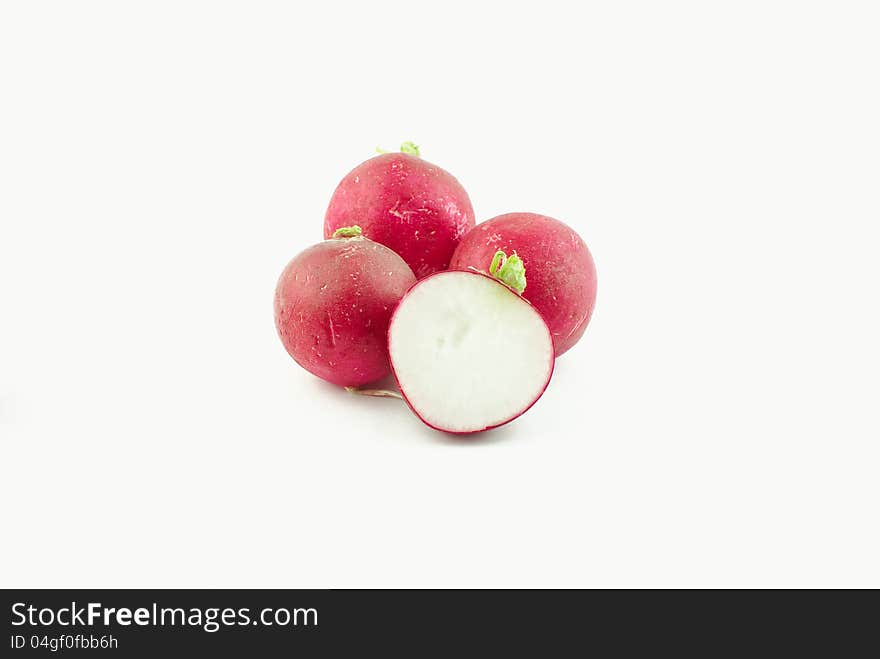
(407, 147)
(509, 269)
(348, 232)
(410, 148)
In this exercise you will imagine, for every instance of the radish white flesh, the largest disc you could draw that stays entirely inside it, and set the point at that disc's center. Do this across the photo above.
(468, 353)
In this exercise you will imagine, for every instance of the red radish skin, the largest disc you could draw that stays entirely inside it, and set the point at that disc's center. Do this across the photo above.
(332, 306)
(485, 378)
(417, 209)
(561, 275)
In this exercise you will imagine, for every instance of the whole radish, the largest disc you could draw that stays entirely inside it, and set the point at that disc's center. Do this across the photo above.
(562, 275)
(468, 352)
(417, 209)
(333, 303)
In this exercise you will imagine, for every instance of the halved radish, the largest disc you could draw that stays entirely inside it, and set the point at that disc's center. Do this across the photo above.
(468, 352)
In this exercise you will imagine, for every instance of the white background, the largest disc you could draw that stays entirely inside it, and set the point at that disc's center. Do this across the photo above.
(717, 425)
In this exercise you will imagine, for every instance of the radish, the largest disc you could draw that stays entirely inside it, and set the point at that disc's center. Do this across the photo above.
(467, 351)
(333, 303)
(562, 275)
(417, 209)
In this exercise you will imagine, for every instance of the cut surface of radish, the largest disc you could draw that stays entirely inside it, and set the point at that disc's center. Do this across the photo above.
(468, 353)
